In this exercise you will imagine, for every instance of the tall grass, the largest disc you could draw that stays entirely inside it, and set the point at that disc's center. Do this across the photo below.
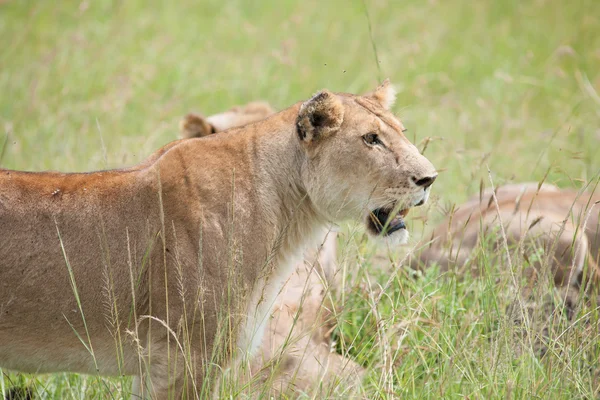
(510, 84)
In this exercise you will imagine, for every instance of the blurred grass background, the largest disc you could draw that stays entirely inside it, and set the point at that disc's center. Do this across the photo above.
(511, 84)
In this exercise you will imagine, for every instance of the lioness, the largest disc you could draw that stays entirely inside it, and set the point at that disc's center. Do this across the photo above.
(169, 268)
(563, 224)
(295, 350)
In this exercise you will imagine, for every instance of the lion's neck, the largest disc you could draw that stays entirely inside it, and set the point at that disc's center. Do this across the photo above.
(280, 159)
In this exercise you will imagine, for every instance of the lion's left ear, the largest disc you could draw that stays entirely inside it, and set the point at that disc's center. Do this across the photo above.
(385, 94)
(319, 116)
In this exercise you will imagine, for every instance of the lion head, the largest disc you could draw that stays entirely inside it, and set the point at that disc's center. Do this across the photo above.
(373, 170)
(195, 125)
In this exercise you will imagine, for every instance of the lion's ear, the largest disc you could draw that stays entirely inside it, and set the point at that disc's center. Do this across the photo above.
(385, 94)
(319, 116)
(194, 125)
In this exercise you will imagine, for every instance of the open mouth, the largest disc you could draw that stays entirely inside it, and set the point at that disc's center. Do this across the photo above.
(382, 221)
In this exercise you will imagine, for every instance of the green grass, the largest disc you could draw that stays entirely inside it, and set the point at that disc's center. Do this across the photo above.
(513, 85)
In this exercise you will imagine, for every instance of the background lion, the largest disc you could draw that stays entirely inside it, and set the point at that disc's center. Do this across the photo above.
(561, 226)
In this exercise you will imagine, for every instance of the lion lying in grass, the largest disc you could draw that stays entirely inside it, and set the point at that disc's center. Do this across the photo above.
(169, 269)
(552, 228)
(196, 126)
(295, 350)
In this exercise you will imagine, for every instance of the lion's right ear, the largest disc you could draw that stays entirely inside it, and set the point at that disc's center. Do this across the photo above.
(385, 94)
(194, 126)
(319, 116)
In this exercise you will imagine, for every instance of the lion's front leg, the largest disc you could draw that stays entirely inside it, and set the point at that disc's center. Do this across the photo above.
(170, 382)
(137, 388)
(171, 372)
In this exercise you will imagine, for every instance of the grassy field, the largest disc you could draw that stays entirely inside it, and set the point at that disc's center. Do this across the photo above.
(510, 85)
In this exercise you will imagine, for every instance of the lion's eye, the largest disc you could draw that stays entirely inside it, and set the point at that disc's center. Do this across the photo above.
(371, 139)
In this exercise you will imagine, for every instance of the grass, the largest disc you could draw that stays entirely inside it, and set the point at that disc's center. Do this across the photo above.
(513, 85)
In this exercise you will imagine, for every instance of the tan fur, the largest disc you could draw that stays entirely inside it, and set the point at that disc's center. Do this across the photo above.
(169, 269)
(563, 223)
(295, 352)
(385, 94)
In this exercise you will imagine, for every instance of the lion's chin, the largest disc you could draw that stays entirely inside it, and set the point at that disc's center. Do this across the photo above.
(396, 238)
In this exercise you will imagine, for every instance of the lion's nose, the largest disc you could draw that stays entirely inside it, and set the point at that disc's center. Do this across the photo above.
(424, 182)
